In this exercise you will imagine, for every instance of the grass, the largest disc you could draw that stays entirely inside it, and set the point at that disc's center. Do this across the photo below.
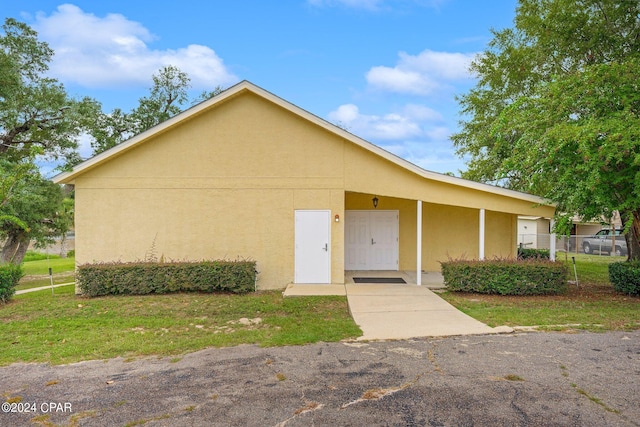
(41, 267)
(36, 270)
(37, 282)
(594, 305)
(592, 269)
(65, 328)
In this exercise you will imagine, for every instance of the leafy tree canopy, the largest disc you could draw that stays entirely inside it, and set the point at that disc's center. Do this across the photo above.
(35, 110)
(556, 109)
(550, 38)
(167, 97)
(36, 202)
(37, 120)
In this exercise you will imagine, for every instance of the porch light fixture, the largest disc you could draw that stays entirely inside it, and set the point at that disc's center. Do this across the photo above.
(375, 202)
(337, 217)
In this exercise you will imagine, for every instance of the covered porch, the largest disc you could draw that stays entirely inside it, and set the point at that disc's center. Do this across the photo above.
(408, 237)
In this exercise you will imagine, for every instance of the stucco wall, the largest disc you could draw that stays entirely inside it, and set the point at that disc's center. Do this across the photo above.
(224, 183)
(368, 173)
(220, 186)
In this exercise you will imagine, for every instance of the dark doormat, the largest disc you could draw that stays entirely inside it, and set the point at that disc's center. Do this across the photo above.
(378, 280)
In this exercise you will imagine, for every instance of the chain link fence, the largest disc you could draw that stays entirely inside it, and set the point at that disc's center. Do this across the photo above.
(590, 244)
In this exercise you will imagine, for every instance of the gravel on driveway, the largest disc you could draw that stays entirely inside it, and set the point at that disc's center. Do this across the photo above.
(524, 379)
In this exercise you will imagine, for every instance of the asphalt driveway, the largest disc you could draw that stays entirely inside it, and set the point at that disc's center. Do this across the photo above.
(533, 379)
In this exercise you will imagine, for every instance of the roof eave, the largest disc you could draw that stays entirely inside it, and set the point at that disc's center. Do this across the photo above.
(69, 177)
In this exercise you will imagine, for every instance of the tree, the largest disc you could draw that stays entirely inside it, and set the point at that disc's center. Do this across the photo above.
(579, 141)
(63, 222)
(10, 176)
(109, 130)
(35, 110)
(549, 112)
(37, 119)
(550, 38)
(36, 202)
(167, 97)
(168, 94)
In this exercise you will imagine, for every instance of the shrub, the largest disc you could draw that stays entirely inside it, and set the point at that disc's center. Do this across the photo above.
(71, 253)
(506, 277)
(10, 275)
(161, 278)
(625, 277)
(524, 253)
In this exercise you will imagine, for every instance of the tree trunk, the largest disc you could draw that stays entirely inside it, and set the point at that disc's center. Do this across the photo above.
(633, 236)
(63, 245)
(15, 248)
(22, 250)
(10, 247)
(633, 239)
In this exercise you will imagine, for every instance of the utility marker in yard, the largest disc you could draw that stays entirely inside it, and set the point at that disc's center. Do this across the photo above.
(575, 272)
(51, 279)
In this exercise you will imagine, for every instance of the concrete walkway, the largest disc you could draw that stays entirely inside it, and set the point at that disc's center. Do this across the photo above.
(392, 311)
(399, 311)
(42, 288)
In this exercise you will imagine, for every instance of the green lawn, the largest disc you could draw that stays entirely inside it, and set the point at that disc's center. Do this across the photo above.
(57, 264)
(593, 304)
(30, 283)
(37, 271)
(592, 269)
(65, 328)
(39, 327)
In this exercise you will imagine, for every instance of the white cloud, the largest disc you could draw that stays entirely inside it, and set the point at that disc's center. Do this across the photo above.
(404, 124)
(84, 146)
(421, 74)
(113, 51)
(415, 133)
(433, 155)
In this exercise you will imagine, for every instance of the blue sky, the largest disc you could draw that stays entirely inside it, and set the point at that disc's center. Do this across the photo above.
(386, 70)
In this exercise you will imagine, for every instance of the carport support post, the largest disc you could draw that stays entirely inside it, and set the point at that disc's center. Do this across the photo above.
(481, 247)
(419, 245)
(552, 241)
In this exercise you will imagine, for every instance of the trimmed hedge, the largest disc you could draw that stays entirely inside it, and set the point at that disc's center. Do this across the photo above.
(160, 278)
(506, 277)
(10, 275)
(524, 253)
(625, 277)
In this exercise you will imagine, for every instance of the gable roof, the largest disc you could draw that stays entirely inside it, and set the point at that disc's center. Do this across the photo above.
(246, 86)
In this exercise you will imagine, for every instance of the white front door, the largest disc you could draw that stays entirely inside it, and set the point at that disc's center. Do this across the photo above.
(312, 246)
(371, 240)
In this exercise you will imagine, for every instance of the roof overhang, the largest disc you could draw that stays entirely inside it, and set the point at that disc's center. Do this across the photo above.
(244, 86)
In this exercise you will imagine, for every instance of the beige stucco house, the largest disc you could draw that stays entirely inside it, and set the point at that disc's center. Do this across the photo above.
(248, 175)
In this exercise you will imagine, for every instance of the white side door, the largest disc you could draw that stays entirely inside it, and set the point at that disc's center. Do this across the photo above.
(312, 246)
